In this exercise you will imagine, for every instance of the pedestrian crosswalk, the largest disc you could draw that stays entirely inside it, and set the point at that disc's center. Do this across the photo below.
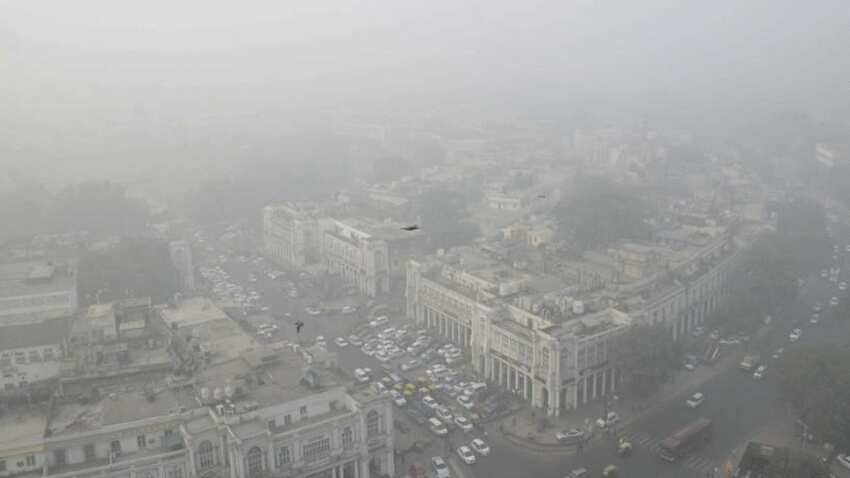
(645, 440)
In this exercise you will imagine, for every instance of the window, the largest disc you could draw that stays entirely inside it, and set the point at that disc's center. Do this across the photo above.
(175, 472)
(34, 356)
(141, 441)
(303, 411)
(283, 456)
(347, 438)
(372, 424)
(254, 461)
(88, 452)
(20, 358)
(287, 420)
(30, 460)
(59, 457)
(317, 449)
(115, 446)
(206, 455)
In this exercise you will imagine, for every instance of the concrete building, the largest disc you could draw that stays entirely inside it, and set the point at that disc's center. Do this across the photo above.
(35, 291)
(552, 353)
(181, 257)
(254, 416)
(357, 256)
(291, 234)
(31, 353)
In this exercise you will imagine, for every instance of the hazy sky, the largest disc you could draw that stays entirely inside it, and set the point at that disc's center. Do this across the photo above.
(107, 85)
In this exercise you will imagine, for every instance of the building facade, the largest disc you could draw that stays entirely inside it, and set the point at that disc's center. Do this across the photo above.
(291, 234)
(357, 257)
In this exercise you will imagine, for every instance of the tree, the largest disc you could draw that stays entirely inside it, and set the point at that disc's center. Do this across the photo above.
(816, 381)
(100, 208)
(140, 267)
(646, 355)
(442, 212)
(600, 212)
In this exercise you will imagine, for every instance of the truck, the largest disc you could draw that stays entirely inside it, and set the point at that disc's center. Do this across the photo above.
(749, 363)
(686, 440)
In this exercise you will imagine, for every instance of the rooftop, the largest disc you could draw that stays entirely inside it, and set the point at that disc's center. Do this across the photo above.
(35, 278)
(22, 428)
(48, 332)
(192, 312)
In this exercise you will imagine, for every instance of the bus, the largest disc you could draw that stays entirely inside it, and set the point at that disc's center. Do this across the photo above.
(686, 440)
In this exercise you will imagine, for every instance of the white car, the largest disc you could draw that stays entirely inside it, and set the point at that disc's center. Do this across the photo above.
(465, 402)
(340, 342)
(355, 340)
(843, 458)
(361, 375)
(480, 447)
(348, 309)
(815, 318)
(795, 335)
(842, 285)
(429, 402)
(611, 419)
(444, 414)
(313, 310)
(759, 373)
(833, 301)
(695, 400)
(463, 423)
(441, 469)
(465, 454)
(398, 398)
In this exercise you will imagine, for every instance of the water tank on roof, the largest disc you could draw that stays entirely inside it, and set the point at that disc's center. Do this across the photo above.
(578, 307)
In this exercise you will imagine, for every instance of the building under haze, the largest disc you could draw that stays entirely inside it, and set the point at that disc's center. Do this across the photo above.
(291, 234)
(181, 257)
(262, 414)
(520, 331)
(34, 291)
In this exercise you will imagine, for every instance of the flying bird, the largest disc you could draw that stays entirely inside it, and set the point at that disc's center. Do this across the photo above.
(298, 325)
(410, 228)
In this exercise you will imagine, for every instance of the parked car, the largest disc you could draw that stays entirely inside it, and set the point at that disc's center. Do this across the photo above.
(465, 454)
(833, 301)
(695, 400)
(355, 340)
(465, 402)
(348, 310)
(578, 473)
(443, 413)
(795, 335)
(341, 342)
(844, 460)
(480, 447)
(311, 310)
(570, 436)
(463, 423)
(611, 419)
(429, 402)
(441, 469)
(759, 373)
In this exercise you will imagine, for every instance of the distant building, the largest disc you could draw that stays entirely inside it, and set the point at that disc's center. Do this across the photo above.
(291, 234)
(358, 257)
(35, 291)
(181, 257)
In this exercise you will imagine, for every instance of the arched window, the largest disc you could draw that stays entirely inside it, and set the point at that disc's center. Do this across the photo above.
(373, 426)
(206, 455)
(255, 462)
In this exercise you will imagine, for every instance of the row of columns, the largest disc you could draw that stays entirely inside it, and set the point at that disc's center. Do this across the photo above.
(511, 378)
(448, 327)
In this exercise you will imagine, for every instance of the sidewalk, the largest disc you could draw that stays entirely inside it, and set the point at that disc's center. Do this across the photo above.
(522, 427)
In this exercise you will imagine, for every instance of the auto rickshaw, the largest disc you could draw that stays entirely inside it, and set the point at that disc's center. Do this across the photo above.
(610, 471)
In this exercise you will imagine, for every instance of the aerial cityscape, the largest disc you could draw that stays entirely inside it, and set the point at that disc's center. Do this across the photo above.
(369, 240)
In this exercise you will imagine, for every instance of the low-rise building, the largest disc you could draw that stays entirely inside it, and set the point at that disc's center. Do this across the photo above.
(291, 234)
(35, 291)
(31, 353)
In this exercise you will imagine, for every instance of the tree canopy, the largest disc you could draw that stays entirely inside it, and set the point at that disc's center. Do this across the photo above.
(599, 212)
(136, 267)
(816, 380)
(646, 356)
(443, 218)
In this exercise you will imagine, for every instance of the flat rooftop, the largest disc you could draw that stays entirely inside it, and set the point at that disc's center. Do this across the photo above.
(191, 312)
(35, 278)
(21, 428)
(117, 408)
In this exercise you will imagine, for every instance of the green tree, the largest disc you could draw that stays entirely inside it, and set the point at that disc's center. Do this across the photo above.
(600, 212)
(646, 356)
(136, 267)
(815, 379)
(443, 218)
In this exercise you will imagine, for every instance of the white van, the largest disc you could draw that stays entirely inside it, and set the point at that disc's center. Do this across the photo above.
(361, 375)
(437, 427)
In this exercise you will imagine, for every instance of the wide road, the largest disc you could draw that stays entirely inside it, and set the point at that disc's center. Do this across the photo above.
(738, 405)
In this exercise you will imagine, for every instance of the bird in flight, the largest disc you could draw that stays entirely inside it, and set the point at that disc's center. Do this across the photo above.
(298, 325)
(414, 227)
